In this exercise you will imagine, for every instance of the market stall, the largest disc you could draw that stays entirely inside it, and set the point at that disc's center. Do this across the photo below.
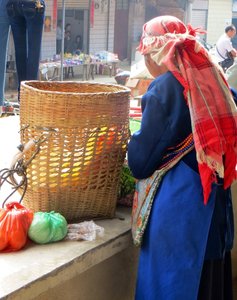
(104, 63)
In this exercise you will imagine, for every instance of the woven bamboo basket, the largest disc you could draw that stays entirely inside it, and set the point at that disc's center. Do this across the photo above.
(85, 129)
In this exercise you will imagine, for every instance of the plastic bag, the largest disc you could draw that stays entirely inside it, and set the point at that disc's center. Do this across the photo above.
(15, 220)
(87, 231)
(47, 227)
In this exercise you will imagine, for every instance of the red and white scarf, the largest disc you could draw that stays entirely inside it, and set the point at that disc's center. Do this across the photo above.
(211, 105)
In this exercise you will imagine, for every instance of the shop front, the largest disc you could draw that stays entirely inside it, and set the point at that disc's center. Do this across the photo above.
(95, 26)
(93, 21)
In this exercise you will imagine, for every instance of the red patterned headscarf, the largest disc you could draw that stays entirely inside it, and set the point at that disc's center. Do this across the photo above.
(211, 105)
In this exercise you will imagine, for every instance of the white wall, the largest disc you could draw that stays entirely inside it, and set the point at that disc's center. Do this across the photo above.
(200, 4)
(219, 16)
(48, 47)
(199, 14)
(98, 33)
(74, 4)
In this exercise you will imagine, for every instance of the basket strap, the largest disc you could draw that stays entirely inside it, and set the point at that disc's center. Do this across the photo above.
(18, 167)
(22, 149)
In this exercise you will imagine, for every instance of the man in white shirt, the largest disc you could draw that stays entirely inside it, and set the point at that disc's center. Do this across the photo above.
(224, 49)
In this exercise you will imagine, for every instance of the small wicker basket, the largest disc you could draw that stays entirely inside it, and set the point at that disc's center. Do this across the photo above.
(85, 128)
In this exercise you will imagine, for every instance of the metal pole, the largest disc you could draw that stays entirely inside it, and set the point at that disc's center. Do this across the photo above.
(188, 15)
(108, 15)
(62, 45)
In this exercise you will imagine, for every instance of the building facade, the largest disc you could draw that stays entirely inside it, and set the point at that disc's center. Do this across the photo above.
(214, 16)
(105, 25)
(110, 25)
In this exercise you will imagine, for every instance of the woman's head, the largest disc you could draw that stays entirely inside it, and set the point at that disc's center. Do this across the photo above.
(155, 29)
(164, 39)
(164, 24)
(159, 40)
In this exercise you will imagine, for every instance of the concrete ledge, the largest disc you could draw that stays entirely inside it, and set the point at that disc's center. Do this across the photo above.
(112, 279)
(38, 268)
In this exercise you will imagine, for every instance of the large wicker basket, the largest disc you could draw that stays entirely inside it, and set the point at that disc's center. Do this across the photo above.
(85, 128)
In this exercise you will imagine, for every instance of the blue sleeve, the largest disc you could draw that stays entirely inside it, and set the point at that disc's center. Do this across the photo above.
(234, 94)
(165, 123)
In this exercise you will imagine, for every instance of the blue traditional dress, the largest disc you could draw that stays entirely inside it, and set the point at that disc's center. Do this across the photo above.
(181, 232)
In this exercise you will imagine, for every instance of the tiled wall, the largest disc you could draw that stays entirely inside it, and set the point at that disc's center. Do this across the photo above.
(219, 16)
(48, 47)
(98, 32)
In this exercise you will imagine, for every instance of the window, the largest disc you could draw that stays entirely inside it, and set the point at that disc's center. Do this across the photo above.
(121, 4)
(234, 7)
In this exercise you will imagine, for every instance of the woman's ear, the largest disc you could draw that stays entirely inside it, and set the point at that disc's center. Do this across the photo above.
(148, 60)
(154, 69)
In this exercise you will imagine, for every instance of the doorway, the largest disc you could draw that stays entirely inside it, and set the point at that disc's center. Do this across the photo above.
(121, 29)
(78, 18)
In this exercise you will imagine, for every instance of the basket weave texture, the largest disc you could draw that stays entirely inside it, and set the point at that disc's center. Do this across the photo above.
(86, 130)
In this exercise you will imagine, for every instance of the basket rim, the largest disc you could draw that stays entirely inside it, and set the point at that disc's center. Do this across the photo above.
(124, 89)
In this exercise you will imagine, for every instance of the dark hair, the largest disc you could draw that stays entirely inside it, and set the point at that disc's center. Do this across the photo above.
(68, 24)
(230, 28)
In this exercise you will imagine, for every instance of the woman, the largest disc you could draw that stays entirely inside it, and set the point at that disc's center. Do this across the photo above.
(68, 42)
(184, 156)
(59, 35)
(77, 45)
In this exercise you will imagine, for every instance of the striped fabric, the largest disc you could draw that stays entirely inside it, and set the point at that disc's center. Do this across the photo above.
(146, 188)
(211, 105)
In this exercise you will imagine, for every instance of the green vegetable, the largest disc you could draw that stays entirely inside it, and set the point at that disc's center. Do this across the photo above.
(47, 227)
(127, 182)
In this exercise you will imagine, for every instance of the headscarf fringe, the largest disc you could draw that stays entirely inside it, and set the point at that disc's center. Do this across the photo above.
(211, 105)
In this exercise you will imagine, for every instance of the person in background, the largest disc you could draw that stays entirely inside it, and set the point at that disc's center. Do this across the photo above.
(231, 76)
(224, 50)
(27, 22)
(184, 157)
(77, 49)
(59, 35)
(68, 28)
(4, 29)
(68, 47)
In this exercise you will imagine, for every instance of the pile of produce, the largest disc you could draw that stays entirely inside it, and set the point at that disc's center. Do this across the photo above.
(127, 187)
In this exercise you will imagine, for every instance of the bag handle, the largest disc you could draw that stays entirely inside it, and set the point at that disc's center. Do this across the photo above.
(228, 53)
(219, 53)
(18, 166)
(5, 175)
